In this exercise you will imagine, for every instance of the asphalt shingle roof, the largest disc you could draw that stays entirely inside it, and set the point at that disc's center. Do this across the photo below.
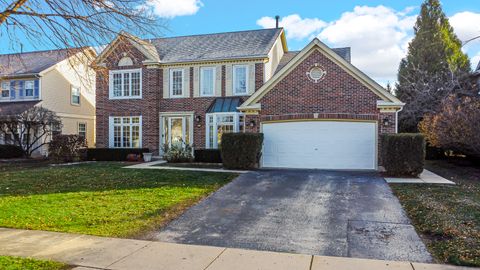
(230, 45)
(31, 62)
(15, 108)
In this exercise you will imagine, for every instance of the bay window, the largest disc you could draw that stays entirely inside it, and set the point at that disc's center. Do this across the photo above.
(207, 81)
(176, 82)
(221, 123)
(240, 80)
(126, 132)
(125, 84)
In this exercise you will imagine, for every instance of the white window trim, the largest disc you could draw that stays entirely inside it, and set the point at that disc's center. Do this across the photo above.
(78, 128)
(25, 88)
(183, 115)
(171, 82)
(234, 76)
(214, 73)
(111, 135)
(236, 124)
(122, 71)
(79, 95)
(2, 89)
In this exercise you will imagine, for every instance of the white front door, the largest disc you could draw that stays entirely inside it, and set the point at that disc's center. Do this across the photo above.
(176, 130)
(320, 145)
(176, 126)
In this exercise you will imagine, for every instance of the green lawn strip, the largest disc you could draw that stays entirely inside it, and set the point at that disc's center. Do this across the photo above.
(447, 217)
(100, 198)
(17, 263)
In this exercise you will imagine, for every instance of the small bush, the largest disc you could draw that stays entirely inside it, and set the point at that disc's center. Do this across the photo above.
(10, 151)
(403, 154)
(66, 148)
(241, 150)
(114, 154)
(208, 155)
(178, 153)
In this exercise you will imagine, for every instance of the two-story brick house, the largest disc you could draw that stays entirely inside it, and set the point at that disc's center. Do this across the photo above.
(59, 80)
(315, 108)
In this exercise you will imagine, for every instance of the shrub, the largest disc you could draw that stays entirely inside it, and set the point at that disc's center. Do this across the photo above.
(241, 150)
(10, 151)
(403, 154)
(114, 154)
(208, 155)
(66, 148)
(456, 126)
(178, 153)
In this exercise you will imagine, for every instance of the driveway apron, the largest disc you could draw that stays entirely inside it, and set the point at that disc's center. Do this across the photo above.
(330, 213)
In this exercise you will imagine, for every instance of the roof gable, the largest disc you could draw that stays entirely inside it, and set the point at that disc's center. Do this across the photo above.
(316, 44)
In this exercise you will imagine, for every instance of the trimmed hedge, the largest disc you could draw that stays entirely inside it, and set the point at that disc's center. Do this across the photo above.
(10, 151)
(114, 154)
(403, 154)
(241, 150)
(67, 148)
(208, 155)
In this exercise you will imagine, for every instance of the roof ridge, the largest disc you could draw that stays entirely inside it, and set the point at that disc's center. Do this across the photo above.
(42, 51)
(211, 34)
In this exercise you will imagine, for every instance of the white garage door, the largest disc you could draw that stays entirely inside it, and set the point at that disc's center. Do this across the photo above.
(320, 145)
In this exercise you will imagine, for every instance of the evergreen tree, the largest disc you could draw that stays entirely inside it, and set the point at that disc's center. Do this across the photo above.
(434, 55)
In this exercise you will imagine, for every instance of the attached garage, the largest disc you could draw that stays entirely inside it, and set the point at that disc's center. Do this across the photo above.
(320, 145)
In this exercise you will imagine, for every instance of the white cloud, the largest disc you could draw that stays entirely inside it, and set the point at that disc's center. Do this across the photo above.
(378, 37)
(295, 26)
(173, 8)
(466, 25)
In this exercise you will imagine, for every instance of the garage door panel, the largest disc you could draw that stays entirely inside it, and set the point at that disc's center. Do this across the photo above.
(320, 144)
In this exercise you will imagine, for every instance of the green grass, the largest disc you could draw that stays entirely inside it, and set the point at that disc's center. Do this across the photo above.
(447, 217)
(17, 263)
(99, 198)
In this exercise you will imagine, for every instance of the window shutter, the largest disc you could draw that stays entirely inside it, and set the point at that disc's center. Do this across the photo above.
(36, 88)
(12, 90)
(21, 89)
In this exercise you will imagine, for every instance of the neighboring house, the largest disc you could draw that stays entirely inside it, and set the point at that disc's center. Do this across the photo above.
(476, 76)
(59, 80)
(315, 108)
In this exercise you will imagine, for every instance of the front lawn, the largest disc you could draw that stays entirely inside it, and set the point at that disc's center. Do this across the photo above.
(17, 263)
(100, 198)
(447, 217)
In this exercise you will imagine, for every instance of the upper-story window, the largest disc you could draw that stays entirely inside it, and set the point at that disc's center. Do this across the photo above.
(126, 83)
(176, 82)
(240, 80)
(75, 95)
(5, 89)
(29, 88)
(207, 81)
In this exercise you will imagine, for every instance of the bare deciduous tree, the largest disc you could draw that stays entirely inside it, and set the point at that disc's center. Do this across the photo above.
(31, 129)
(74, 23)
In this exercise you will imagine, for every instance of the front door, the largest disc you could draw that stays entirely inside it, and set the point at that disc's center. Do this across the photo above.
(176, 126)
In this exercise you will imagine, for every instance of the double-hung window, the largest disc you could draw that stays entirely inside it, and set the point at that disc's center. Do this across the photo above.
(240, 80)
(126, 83)
(126, 132)
(5, 89)
(82, 130)
(28, 88)
(176, 82)
(75, 95)
(207, 81)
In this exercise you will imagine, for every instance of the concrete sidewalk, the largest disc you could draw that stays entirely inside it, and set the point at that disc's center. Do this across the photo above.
(91, 252)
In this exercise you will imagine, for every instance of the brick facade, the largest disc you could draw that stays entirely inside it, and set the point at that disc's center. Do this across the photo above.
(337, 96)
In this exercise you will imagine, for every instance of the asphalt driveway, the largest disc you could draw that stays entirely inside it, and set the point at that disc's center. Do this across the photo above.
(350, 214)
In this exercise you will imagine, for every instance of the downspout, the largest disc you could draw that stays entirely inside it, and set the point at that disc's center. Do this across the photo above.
(396, 119)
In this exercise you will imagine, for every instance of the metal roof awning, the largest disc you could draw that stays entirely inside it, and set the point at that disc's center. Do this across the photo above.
(225, 104)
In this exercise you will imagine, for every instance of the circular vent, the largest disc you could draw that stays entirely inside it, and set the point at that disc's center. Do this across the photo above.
(316, 74)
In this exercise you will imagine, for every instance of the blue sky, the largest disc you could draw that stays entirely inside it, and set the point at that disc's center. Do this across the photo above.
(377, 31)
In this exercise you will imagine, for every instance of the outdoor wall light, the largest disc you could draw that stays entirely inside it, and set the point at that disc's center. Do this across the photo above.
(198, 118)
(252, 123)
(386, 121)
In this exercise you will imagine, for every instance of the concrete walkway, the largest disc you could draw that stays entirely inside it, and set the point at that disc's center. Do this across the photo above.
(426, 177)
(154, 165)
(91, 252)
